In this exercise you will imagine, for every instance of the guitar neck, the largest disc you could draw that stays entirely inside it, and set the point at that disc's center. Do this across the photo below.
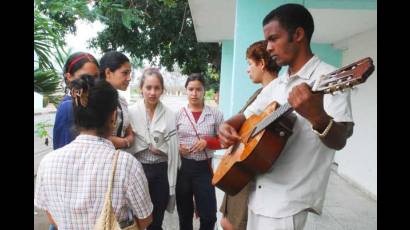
(281, 111)
(338, 80)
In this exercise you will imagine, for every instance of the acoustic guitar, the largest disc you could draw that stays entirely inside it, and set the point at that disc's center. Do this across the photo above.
(263, 136)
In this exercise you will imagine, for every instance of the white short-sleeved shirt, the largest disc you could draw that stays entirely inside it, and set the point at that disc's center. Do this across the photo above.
(72, 181)
(299, 177)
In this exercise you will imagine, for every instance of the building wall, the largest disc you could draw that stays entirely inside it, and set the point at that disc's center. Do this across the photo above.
(358, 160)
(248, 29)
(226, 76)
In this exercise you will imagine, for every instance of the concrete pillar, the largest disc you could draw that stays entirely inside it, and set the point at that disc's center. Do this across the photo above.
(225, 85)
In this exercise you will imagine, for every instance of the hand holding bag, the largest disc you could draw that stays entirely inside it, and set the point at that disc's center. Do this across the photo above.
(107, 219)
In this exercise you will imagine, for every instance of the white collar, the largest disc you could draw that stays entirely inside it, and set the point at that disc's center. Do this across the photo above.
(205, 111)
(305, 72)
(92, 138)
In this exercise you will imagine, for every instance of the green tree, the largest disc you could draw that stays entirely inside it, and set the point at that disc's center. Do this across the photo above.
(160, 31)
(47, 39)
(66, 12)
(48, 46)
(49, 43)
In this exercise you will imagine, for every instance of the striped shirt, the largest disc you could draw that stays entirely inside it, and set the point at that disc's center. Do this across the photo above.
(122, 116)
(147, 157)
(206, 126)
(72, 181)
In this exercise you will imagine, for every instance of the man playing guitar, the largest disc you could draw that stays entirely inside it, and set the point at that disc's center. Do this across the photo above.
(296, 183)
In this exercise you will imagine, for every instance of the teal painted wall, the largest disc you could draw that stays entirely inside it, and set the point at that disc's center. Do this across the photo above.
(327, 53)
(226, 76)
(248, 29)
(341, 4)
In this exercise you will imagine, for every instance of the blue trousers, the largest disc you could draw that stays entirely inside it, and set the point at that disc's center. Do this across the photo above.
(194, 180)
(157, 176)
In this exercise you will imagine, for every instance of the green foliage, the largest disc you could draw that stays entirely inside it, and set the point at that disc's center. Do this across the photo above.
(169, 3)
(135, 91)
(41, 130)
(66, 12)
(160, 31)
(209, 94)
(47, 38)
(46, 81)
(212, 79)
(48, 47)
(61, 57)
(54, 99)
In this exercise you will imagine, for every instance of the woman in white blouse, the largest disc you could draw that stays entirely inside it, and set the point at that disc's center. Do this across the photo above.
(115, 68)
(155, 144)
(72, 181)
(197, 126)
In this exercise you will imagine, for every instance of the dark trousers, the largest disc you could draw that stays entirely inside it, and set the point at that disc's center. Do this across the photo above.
(157, 176)
(194, 180)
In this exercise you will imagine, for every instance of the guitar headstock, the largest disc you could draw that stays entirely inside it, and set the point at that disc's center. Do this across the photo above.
(345, 77)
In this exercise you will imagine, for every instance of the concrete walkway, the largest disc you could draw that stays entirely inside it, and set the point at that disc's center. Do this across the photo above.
(345, 208)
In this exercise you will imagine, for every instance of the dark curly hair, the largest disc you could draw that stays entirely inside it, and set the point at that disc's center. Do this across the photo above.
(94, 101)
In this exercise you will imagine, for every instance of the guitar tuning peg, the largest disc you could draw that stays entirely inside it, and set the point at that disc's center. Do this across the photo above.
(337, 88)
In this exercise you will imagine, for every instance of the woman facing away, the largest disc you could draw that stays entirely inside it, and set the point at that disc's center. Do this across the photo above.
(115, 68)
(156, 145)
(72, 181)
(261, 70)
(76, 65)
(197, 126)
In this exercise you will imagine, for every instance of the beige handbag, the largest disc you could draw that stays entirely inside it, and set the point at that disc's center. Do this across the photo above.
(107, 220)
